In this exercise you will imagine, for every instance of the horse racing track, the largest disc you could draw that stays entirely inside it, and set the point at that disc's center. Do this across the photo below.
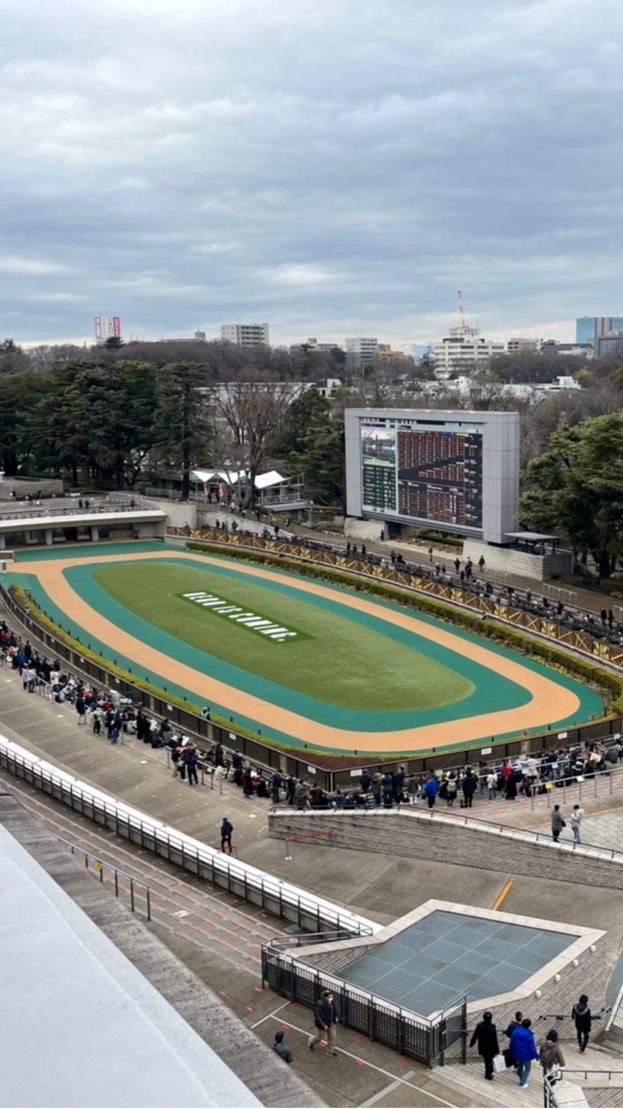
(302, 662)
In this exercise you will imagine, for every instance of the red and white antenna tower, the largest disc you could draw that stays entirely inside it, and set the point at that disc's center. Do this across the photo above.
(465, 328)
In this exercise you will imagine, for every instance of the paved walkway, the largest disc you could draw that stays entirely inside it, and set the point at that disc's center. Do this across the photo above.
(600, 797)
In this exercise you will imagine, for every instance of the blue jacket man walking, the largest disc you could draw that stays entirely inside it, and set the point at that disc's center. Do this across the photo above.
(524, 1050)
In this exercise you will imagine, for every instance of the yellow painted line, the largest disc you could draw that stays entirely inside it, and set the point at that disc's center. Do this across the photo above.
(502, 897)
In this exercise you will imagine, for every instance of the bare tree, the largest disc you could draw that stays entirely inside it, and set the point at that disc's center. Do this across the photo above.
(253, 413)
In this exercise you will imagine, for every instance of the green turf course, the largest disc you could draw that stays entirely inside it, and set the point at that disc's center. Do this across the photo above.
(491, 693)
(339, 662)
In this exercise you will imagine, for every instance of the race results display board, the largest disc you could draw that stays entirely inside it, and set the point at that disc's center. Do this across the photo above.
(423, 471)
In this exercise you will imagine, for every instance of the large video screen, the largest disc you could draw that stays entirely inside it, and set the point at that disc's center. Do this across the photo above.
(422, 471)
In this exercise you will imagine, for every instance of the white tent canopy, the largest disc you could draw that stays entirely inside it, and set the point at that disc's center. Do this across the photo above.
(230, 477)
(266, 481)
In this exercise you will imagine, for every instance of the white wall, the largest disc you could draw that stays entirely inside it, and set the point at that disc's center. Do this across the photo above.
(86, 1028)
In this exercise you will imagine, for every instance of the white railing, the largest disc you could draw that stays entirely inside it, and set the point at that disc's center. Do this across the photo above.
(248, 882)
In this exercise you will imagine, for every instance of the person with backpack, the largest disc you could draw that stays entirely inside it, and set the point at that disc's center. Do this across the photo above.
(451, 789)
(583, 1020)
(551, 1055)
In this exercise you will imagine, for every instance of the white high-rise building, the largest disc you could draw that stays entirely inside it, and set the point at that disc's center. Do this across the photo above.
(245, 334)
(360, 351)
(464, 351)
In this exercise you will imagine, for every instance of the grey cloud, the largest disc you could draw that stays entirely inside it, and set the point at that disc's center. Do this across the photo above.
(332, 167)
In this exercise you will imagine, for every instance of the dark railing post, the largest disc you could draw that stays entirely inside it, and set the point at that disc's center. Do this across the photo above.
(132, 894)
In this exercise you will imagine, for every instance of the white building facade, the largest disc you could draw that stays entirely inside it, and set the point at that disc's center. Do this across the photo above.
(245, 334)
(360, 351)
(464, 351)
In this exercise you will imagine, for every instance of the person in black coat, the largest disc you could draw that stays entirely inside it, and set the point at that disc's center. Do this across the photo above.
(468, 786)
(486, 1036)
(583, 1020)
(510, 790)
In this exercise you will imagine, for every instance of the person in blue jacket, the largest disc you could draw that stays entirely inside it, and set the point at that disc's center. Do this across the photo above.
(431, 789)
(524, 1050)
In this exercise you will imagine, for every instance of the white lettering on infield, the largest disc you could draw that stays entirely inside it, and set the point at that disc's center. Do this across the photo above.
(221, 607)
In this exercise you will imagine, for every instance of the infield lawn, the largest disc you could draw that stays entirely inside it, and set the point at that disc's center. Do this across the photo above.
(334, 656)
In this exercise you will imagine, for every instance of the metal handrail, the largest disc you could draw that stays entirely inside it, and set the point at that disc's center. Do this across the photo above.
(281, 943)
(550, 1101)
(117, 872)
(586, 1071)
(55, 513)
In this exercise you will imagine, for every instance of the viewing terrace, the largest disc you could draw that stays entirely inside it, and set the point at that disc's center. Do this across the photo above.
(47, 522)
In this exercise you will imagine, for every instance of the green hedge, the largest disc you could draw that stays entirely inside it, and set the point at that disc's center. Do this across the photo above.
(550, 654)
(609, 684)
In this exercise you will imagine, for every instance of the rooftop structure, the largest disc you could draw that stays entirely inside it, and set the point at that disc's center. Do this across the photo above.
(463, 351)
(442, 953)
(449, 955)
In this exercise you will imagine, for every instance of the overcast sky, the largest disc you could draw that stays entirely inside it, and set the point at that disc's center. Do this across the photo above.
(332, 167)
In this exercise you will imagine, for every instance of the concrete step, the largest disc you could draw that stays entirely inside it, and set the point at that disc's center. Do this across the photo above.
(569, 1095)
(503, 1091)
(573, 1091)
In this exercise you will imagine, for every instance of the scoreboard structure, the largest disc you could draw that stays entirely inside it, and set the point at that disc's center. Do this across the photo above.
(452, 470)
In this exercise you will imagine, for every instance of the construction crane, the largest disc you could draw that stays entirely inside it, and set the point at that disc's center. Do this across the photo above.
(465, 328)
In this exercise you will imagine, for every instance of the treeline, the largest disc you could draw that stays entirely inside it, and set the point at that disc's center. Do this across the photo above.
(111, 423)
(226, 361)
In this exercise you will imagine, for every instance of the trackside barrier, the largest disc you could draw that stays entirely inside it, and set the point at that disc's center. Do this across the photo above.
(430, 1040)
(260, 753)
(247, 882)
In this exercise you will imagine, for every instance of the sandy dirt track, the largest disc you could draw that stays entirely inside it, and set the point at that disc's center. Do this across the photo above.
(550, 702)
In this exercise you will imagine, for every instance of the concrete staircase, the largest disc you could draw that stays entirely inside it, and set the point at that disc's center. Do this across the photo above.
(600, 1084)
